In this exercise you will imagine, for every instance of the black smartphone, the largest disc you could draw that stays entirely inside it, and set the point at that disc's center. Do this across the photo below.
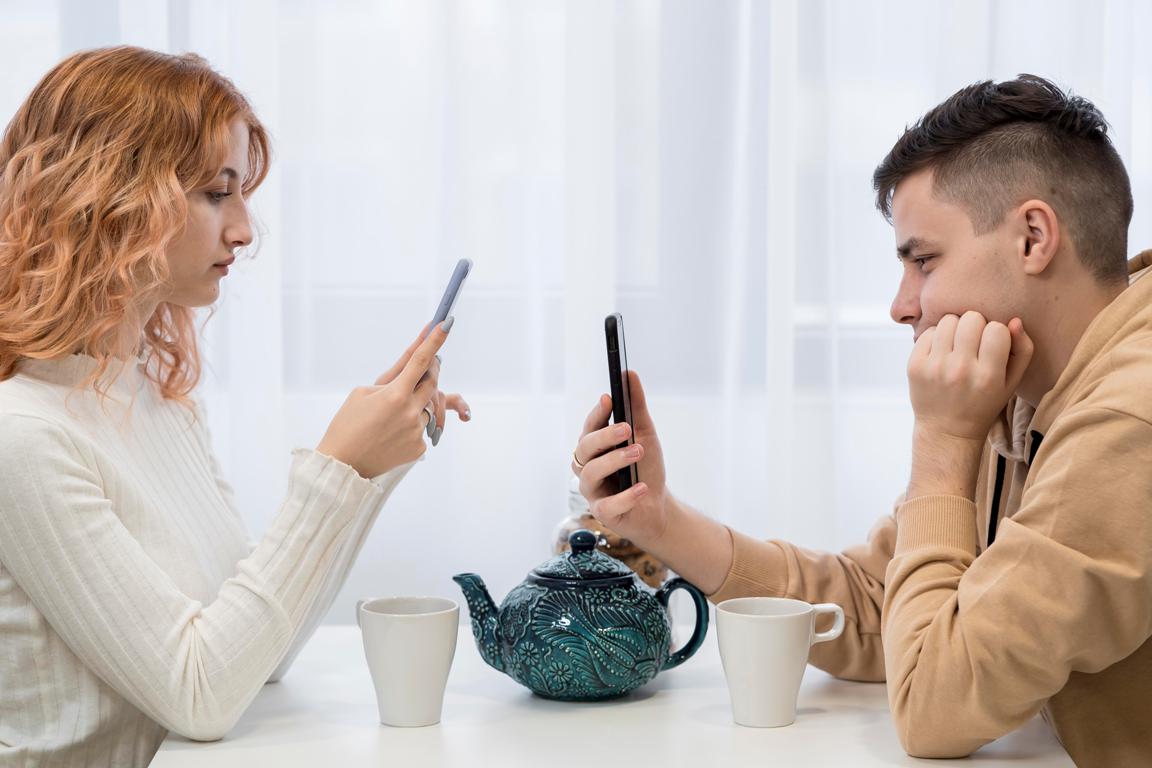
(621, 397)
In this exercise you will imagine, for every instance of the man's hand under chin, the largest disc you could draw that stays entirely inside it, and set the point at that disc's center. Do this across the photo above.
(960, 376)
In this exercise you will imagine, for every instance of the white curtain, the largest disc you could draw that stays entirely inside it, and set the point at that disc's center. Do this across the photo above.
(702, 167)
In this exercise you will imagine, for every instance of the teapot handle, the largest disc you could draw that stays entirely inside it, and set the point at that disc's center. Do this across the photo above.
(701, 630)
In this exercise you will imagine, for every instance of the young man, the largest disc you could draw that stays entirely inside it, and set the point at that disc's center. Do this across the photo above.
(1015, 575)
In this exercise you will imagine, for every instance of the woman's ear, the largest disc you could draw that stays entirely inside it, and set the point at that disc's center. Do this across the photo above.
(1039, 235)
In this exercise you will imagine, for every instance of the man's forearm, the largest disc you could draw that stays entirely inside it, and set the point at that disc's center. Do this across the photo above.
(943, 464)
(694, 545)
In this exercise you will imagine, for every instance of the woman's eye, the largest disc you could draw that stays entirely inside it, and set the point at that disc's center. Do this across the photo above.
(218, 196)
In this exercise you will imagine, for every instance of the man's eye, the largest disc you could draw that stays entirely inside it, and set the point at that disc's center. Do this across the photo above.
(922, 260)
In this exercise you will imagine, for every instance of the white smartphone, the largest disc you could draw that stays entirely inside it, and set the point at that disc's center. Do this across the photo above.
(451, 291)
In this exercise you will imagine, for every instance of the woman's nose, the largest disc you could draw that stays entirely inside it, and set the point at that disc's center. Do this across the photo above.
(239, 230)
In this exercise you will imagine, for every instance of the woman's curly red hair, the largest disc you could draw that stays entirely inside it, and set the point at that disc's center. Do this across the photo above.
(94, 171)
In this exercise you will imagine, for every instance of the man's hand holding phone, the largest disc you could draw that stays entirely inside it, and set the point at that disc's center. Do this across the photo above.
(639, 513)
(697, 547)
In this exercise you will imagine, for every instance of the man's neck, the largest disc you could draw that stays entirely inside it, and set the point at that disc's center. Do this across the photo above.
(1055, 331)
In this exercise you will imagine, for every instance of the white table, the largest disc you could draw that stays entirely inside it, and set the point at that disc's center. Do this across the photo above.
(323, 713)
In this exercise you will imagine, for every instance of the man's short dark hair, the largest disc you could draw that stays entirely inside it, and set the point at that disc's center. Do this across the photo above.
(992, 146)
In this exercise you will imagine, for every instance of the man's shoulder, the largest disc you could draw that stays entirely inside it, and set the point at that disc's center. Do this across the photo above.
(1121, 380)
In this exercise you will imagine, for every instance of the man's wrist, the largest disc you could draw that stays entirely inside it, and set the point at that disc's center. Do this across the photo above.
(694, 545)
(943, 464)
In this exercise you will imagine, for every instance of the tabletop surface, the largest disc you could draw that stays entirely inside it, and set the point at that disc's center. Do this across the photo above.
(324, 711)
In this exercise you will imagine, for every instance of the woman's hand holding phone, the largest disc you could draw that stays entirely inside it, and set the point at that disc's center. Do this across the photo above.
(639, 513)
(381, 427)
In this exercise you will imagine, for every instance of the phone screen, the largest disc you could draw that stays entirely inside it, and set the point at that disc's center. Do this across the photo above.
(621, 397)
(451, 291)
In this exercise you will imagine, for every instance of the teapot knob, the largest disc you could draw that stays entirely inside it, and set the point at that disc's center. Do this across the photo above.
(582, 540)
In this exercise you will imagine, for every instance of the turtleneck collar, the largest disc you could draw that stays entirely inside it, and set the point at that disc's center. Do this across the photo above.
(121, 377)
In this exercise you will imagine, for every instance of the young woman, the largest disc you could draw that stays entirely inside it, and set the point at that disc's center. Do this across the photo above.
(131, 602)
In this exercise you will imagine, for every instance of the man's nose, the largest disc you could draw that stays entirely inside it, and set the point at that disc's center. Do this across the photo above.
(906, 306)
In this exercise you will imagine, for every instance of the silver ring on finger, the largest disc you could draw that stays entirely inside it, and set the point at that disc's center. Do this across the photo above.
(579, 465)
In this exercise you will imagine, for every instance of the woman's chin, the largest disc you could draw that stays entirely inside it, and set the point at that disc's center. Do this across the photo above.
(204, 297)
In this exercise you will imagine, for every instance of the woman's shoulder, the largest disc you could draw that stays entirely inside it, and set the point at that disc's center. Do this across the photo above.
(32, 410)
(21, 395)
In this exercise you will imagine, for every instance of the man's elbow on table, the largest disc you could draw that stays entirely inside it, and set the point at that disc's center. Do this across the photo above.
(929, 737)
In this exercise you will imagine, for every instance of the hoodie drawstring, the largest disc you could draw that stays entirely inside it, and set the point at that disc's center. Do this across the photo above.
(1001, 464)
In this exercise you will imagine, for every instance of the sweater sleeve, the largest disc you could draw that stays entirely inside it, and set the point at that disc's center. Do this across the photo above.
(191, 667)
(337, 574)
(342, 563)
(853, 579)
(975, 646)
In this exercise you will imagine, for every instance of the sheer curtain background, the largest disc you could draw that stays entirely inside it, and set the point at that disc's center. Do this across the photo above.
(702, 167)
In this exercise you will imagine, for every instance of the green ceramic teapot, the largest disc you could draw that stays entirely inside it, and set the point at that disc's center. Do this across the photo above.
(581, 627)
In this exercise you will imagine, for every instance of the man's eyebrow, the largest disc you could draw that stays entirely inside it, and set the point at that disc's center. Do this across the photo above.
(904, 250)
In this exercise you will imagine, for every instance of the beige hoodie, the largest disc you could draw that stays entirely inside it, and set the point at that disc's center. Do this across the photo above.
(1034, 597)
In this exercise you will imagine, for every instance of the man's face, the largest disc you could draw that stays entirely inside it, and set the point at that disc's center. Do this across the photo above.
(948, 269)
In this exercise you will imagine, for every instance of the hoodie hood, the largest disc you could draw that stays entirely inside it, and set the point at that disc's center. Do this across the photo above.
(1012, 434)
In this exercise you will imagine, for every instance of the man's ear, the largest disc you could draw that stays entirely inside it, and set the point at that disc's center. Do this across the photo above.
(1039, 235)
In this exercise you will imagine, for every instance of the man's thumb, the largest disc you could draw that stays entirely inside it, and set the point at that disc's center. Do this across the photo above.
(1020, 355)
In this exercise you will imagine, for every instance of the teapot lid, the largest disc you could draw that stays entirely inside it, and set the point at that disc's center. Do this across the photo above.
(583, 563)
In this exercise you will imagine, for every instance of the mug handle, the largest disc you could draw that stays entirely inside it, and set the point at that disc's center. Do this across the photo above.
(837, 625)
(697, 639)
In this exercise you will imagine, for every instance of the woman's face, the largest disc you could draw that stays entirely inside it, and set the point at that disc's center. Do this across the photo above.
(217, 224)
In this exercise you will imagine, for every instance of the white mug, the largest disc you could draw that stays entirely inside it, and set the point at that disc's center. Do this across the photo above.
(764, 643)
(409, 643)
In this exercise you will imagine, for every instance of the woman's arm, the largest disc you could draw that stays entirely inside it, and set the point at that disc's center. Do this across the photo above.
(342, 564)
(192, 667)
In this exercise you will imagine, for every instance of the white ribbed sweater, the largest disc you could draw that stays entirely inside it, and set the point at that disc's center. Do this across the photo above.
(131, 602)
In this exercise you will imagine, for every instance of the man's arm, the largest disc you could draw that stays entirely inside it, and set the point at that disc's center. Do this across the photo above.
(727, 564)
(974, 647)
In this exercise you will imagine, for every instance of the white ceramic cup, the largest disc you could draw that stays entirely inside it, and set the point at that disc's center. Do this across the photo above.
(409, 643)
(764, 643)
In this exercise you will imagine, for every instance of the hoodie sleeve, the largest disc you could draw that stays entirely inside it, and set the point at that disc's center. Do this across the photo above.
(853, 579)
(975, 646)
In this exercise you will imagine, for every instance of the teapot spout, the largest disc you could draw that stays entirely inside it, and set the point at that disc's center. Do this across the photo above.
(485, 618)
